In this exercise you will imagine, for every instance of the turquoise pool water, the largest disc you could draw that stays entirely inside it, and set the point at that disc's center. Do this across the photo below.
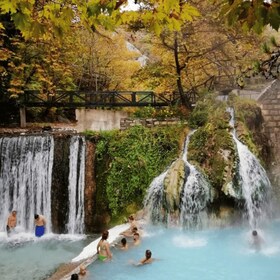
(25, 257)
(218, 254)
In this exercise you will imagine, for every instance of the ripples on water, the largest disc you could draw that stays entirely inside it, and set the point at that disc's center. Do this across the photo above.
(23, 256)
(218, 254)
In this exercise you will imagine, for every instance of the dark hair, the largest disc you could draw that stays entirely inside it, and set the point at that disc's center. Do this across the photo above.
(123, 241)
(36, 216)
(131, 218)
(255, 233)
(148, 254)
(105, 234)
(75, 276)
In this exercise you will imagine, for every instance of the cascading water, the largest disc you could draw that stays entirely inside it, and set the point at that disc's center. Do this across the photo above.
(76, 185)
(196, 192)
(154, 198)
(194, 195)
(252, 178)
(25, 179)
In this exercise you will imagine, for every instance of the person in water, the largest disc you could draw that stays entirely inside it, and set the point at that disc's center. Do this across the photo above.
(74, 276)
(132, 226)
(83, 271)
(11, 222)
(136, 239)
(40, 224)
(103, 248)
(123, 245)
(148, 258)
(257, 241)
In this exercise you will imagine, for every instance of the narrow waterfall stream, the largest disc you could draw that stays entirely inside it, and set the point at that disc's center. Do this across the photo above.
(76, 185)
(196, 192)
(252, 178)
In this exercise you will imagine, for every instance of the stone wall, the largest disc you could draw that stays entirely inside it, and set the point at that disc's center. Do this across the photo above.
(92, 119)
(269, 102)
(149, 122)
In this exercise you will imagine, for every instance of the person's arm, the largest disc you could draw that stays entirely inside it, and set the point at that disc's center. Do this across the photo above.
(109, 254)
(9, 221)
(97, 247)
(44, 221)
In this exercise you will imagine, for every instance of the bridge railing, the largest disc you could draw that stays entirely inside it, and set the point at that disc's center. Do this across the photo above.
(91, 99)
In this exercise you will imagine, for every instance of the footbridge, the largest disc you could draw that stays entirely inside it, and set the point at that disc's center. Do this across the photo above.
(97, 99)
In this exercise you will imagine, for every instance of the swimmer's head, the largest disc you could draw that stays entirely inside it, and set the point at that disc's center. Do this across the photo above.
(14, 212)
(82, 270)
(254, 233)
(148, 254)
(123, 241)
(36, 216)
(75, 276)
(130, 218)
(136, 236)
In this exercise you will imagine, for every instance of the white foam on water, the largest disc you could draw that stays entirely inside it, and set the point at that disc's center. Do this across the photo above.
(184, 241)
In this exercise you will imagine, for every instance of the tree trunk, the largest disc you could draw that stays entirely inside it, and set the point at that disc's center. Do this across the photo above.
(184, 97)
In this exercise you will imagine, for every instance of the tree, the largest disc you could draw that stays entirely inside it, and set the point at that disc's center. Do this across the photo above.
(251, 14)
(203, 54)
(52, 18)
(99, 68)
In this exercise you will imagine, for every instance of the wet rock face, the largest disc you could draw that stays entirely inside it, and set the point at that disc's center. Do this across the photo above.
(173, 184)
(59, 192)
(90, 187)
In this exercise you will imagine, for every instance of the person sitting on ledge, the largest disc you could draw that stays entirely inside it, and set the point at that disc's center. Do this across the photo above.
(130, 231)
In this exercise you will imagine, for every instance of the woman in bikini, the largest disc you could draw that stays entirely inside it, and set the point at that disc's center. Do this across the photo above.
(103, 248)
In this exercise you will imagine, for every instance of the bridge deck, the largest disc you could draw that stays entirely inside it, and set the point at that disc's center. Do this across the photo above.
(92, 99)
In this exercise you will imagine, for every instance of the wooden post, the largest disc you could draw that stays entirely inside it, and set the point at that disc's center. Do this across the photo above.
(22, 113)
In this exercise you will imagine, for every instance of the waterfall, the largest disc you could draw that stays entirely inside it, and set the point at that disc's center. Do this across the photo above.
(194, 196)
(154, 198)
(25, 179)
(196, 192)
(252, 178)
(76, 185)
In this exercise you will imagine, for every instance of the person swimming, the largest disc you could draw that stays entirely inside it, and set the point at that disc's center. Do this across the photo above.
(103, 248)
(148, 258)
(82, 271)
(136, 239)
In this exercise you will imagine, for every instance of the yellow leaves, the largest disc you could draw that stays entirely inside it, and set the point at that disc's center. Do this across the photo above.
(8, 6)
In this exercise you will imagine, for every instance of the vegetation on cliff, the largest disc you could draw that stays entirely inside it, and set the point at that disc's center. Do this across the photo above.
(133, 158)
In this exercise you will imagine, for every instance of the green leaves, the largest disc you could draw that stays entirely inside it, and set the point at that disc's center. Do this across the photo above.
(136, 156)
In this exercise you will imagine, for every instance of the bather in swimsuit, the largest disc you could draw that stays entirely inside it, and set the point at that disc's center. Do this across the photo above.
(39, 231)
(102, 258)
